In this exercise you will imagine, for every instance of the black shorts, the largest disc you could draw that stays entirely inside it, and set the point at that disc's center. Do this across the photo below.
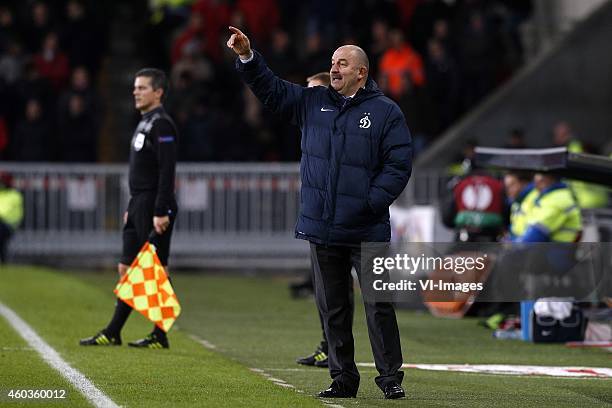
(139, 226)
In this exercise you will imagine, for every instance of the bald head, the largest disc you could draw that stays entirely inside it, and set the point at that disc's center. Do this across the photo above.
(349, 70)
(359, 54)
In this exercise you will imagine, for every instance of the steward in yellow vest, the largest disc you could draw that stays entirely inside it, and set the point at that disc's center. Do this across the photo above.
(11, 213)
(555, 216)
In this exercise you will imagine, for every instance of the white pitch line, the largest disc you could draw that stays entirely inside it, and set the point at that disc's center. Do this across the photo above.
(207, 344)
(281, 383)
(52, 357)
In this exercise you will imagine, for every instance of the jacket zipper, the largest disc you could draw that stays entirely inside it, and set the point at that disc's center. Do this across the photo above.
(343, 110)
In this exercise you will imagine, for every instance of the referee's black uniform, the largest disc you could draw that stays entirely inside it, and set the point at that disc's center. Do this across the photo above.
(153, 152)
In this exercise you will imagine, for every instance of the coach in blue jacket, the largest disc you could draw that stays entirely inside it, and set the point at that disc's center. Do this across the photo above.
(356, 160)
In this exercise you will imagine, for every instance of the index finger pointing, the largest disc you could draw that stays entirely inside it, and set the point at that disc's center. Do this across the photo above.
(235, 30)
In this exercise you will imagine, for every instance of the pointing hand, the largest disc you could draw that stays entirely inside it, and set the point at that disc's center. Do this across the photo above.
(239, 43)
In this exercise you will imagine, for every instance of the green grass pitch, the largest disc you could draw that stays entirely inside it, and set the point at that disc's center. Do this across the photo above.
(253, 324)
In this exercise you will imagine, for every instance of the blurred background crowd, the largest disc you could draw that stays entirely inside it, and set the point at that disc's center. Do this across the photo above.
(436, 58)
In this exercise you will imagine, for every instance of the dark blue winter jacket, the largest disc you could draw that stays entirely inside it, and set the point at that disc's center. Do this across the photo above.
(356, 155)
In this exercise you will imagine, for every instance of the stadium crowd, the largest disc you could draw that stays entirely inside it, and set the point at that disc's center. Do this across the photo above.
(50, 56)
(435, 58)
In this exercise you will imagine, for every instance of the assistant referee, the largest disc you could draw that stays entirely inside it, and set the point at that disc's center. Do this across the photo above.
(152, 205)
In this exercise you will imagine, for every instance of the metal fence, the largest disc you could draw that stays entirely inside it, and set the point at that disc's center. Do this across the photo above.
(229, 213)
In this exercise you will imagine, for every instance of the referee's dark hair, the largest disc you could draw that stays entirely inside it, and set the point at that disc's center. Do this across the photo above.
(158, 79)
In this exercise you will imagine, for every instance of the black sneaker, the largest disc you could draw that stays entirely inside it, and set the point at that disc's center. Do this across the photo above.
(312, 359)
(394, 391)
(101, 339)
(151, 341)
(335, 391)
(322, 363)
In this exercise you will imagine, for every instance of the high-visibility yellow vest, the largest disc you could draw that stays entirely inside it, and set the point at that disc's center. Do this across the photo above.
(589, 195)
(11, 207)
(557, 213)
(519, 213)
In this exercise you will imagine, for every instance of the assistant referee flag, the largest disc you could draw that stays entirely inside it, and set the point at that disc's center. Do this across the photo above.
(146, 288)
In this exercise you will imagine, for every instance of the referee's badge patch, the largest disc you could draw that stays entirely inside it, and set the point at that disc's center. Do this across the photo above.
(139, 141)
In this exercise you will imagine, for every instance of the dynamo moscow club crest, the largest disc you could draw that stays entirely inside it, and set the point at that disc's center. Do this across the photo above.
(365, 123)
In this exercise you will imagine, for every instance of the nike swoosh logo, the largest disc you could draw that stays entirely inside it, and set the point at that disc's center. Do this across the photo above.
(326, 110)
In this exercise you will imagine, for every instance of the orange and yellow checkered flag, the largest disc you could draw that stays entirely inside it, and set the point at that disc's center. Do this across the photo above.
(146, 288)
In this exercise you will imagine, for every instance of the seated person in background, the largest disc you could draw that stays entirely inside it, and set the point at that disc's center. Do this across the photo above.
(588, 195)
(521, 193)
(555, 216)
(11, 213)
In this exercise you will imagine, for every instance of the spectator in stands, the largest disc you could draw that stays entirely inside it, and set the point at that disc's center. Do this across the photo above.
(191, 38)
(185, 94)
(38, 26)
(216, 17)
(281, 57)
(80, 37)
(400, 67)
(325, 18)
(198, 135)
(52, 63)
(441, 34)
(80, 84)
(193, 63)
(11, 213)
(475, 59)
(426, 13)
(261, 17)
(516, 139)
(563, 135)
(32, 139)
(315, 58)
(8, 30)
(12, 63)
(198, 130)
(32, 85)
(443, 84)
(78, 133)
(379, 43)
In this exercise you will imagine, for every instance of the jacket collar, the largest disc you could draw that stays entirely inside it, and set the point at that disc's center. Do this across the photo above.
(150, 113)
(549, 189)
(526, 190)
(370, 90)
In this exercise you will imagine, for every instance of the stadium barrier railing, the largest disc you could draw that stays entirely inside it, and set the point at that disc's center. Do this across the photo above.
(232, 214)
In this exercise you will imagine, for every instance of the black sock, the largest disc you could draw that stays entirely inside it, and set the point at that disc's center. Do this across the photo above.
(122, 312)
(159, 333)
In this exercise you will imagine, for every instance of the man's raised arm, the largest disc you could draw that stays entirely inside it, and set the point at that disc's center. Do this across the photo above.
(276, 94)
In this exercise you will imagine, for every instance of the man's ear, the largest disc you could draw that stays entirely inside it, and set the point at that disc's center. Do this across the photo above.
(363, 72)
(160, 93)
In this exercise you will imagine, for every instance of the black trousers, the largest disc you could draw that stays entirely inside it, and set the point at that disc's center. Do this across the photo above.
(139, 227)
(333, 291)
